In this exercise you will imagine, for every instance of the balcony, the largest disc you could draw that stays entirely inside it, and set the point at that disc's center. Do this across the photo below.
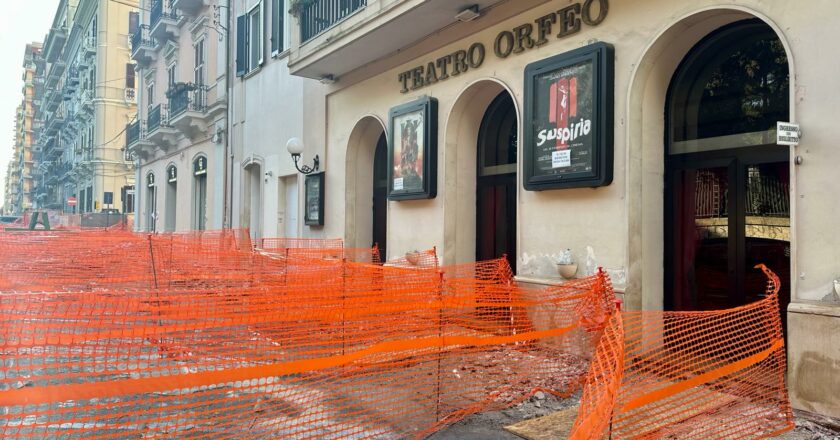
(55, 43)
(324, 14)
(142, 47)
(189, 7)
(188, 108)
(163, 21)
(160, 132)
(339, 36)
(89, 46)
(136, 140)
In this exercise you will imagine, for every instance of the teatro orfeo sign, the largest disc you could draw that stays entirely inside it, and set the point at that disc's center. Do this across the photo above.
(564, 22)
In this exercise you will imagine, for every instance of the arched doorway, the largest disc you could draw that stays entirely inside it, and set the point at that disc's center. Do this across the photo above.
(727, 200)
(199, 171)
(380, 196)
(366, 203)
(171, 198)
(496, 182)
(253, 200)
(151, 203)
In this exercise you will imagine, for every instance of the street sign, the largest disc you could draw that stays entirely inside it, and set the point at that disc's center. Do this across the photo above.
(787, 133)
(71, 201)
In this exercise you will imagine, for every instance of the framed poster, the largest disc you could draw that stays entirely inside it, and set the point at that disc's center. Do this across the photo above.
(569, 120)
(314, 198)
(412, 150)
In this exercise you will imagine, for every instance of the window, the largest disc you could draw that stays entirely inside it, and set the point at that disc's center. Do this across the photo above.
(249, 49)
(129, 76)
(171, 75)
(150, 94)
(730, 91)
(199, 63)
(133, 22)
(278, 19)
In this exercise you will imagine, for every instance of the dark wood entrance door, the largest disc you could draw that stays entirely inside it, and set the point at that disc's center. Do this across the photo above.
(496, 185)
(380, 196)
(726, 212)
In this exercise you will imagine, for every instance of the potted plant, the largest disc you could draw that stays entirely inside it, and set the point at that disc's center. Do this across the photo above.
(566, 266)
(297, 6)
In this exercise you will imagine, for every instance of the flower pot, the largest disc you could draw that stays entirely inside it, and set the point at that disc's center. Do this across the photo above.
(412, 257)
(567, 271)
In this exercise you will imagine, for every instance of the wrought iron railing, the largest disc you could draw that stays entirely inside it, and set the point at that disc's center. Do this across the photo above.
(132, 134)
(161, 9)
(187, 100)
(154, 118)
(321, 15)
(141, 38)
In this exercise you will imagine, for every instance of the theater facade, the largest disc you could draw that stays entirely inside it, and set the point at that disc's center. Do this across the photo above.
(640, 136)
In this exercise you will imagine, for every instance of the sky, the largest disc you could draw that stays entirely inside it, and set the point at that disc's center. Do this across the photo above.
(22, 22)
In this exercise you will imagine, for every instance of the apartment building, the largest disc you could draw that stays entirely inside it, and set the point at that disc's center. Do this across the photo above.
(89, 97)
(269, 107)
(640, 135)
(179, 136)
(19, 195)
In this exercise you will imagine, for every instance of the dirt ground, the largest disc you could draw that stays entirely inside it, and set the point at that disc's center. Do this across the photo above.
(490, 425)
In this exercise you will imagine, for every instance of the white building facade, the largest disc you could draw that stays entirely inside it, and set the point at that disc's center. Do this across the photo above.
(178, 139)
(268, 107)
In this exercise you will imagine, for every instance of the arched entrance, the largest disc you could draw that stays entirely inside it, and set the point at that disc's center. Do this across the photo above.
(380, 196)
(366, 205)
(496, 182)
(199, 171)
(727, 199)
(252, 213)
(171, 198)
(461, 170)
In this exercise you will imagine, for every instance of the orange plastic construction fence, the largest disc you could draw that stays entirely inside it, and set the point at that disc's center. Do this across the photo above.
(118, 335)
(689, 375)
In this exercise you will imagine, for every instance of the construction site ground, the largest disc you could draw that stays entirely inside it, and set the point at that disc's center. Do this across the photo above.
(491, 425)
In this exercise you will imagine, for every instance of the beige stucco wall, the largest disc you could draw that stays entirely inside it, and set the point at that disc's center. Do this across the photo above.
(619, 226)
(111, 110)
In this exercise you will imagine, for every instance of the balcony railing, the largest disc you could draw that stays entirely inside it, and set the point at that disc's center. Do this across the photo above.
(141, 38)
(158, 117)
(323, 14)
(161, 9)
(187, 100)
(132, 133)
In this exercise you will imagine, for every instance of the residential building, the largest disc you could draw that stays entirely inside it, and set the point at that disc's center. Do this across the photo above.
(178, 137)
(20, 188)
(641, 135)
(88, 100)
(268, 107)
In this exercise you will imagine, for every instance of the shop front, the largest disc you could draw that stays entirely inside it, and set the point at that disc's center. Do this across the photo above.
(639, 136)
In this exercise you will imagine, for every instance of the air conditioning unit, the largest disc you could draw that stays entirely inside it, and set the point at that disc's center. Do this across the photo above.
(130, 96)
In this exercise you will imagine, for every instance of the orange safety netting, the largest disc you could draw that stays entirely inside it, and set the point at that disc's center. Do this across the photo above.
(689, 375)
(197, 336)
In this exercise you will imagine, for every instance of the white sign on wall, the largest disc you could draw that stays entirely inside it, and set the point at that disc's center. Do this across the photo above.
(787, 133)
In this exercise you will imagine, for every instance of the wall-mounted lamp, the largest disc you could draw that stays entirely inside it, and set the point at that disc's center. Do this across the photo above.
(295, 147)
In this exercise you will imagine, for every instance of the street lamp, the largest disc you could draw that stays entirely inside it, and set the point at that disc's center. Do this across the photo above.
(295, 147)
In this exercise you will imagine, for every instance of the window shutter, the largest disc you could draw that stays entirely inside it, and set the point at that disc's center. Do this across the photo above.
(262, 32)
(241, 52)
(275, 5)
(129, 76)
(133, 22)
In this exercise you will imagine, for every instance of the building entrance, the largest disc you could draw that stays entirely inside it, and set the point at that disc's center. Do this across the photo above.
(727, 186)
(496, 184)
(380, 196)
